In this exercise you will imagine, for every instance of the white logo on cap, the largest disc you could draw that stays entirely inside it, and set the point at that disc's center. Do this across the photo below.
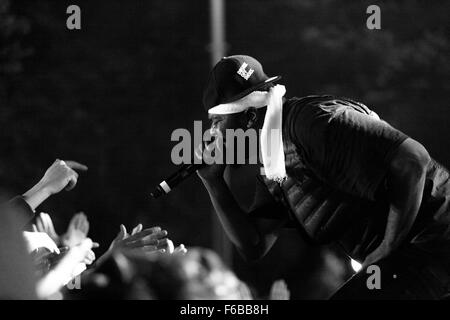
(244, 73)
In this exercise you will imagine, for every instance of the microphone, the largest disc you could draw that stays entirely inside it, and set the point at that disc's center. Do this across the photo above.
(175, 179)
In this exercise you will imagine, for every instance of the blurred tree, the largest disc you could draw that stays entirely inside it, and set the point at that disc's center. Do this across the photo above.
(12, 50)
(108, 95)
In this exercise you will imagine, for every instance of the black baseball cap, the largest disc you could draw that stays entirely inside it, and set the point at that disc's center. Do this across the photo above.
(234, 77)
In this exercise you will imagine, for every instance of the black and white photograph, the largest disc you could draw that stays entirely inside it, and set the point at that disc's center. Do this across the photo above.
(243, 151)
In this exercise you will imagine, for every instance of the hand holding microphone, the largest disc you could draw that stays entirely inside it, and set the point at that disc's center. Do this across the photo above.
(207, 169)
(215, 170)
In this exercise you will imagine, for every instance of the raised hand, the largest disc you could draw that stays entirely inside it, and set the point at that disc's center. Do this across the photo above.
(214, 170)
(77, 230)
(45, 224)
(61, 174)
(71, 265)
(36, 240)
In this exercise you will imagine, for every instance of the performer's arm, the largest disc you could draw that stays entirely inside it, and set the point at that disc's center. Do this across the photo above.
(252, 238)
(357, 153)
(406, 180)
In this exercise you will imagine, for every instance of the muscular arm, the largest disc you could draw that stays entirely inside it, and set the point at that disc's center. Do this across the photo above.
(252, 237)
(406, 180)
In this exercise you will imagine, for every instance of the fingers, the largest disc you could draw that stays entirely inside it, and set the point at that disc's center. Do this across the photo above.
(122, 233)
(123, 230)
(50, 244)
(47, 221)
(206, 151)
(170, 246)
(85, 226)
(73, 222)
(181, 249)
(146, 250)
(72, 176)
(154, 232)
(137, 229)
(89, 258)
(208, 155)
(77, 230)
(73, 179)
(48, 226)
(61, 175)
(198, 152)
(152, 236)
(64, 249)
(141, 243)
(76, 165)
(80, 222)
(40, 224)
(164, 243)
(34, 228)
(86, 244)
(81, 251)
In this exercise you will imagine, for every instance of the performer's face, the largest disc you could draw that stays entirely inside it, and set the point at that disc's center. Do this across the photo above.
(220, 123)
(243, 120)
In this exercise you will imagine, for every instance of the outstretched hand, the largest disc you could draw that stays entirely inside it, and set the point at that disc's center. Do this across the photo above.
(77, 230)
(71, 265)
(45, 224)
(148, 240)
(36, 240)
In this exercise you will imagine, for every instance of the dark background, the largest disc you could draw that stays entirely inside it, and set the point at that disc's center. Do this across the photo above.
(110, 95)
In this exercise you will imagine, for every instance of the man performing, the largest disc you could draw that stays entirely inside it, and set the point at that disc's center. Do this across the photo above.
(341, 175)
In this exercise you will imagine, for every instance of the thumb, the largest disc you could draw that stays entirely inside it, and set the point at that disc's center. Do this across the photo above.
(137, 229)
(122, 233)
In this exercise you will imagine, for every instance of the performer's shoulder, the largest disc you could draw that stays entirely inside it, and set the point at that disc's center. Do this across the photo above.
(323, 103)
(307, 108)
(307, 100)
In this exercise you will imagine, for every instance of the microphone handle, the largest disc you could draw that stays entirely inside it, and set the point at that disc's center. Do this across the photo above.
(175, 179)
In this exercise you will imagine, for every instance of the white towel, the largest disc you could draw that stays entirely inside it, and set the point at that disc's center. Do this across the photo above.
(271, 140)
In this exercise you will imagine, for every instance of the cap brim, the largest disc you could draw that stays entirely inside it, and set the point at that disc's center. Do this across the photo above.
(254, 88)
